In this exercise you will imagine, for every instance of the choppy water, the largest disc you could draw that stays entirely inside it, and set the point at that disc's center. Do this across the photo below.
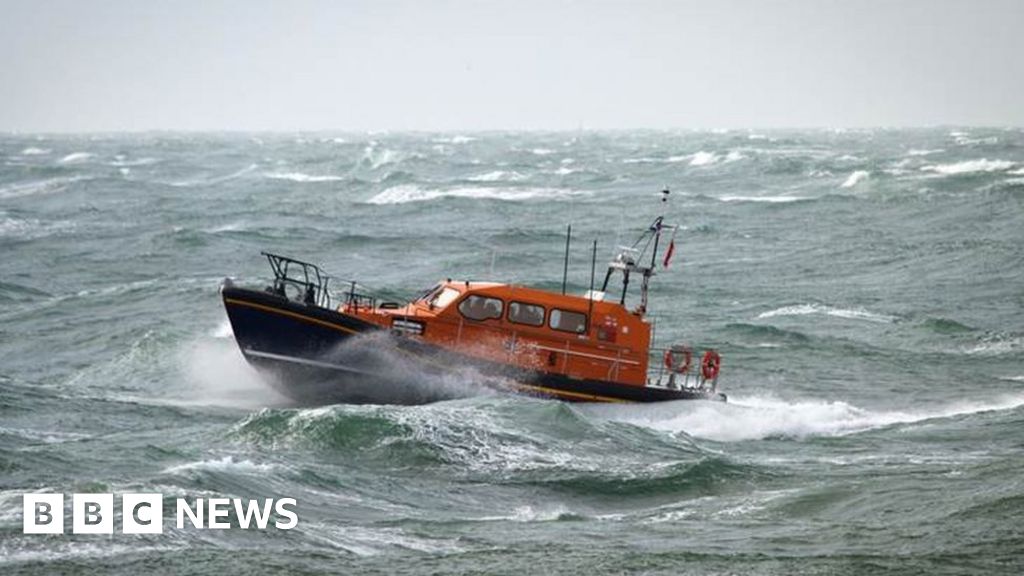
(865, 289)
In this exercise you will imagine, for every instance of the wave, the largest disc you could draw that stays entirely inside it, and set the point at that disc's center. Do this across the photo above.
(216, 179)
(457, 139)
(923, 152)
(997, 345)
(946, 326)
(121, 160)
(30, 229)
(225, 464)
(969, 167)
(411, 193)
(848, 313)
(33, 151)
(47, 186)
(76, 157)
(774, 333)
(303, 178)
(763, 417)
(653, 160)
(703, 158)
(767, 199)
(377, 157)
(856, 177)
(498, 176)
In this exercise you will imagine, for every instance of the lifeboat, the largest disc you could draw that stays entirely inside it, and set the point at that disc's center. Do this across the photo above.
(318, 346)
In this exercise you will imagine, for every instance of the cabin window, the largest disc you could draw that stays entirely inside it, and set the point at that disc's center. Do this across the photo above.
(523, 313)
(445, 297)
(481, 308)
(567, 321)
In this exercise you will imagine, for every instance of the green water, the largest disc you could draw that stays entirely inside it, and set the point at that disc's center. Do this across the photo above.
(864, 288)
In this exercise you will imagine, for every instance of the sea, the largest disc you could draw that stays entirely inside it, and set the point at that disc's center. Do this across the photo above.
(865, 289)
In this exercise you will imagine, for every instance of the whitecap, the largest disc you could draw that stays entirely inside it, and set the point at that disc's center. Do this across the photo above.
(457, 139)
(76, 157)
(123, 161)
(33, 151)
(47, 186)
(542, 151)
(923, 152)
(854, 178)
(847, 313)
(996, 346)
(760, 417)
(225, 464)
(531, 514)
(703, 158)
(969, 167)
(767, 199)
(411, 193)
(498, 176)
(377, 158)
(303, 178)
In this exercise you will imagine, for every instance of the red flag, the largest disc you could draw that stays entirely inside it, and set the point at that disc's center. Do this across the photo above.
(668, 253)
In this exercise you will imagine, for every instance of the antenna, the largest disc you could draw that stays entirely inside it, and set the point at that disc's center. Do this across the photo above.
(565, 264)
(593, 266)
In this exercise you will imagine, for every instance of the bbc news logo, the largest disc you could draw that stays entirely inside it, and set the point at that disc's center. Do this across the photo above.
(144, 513)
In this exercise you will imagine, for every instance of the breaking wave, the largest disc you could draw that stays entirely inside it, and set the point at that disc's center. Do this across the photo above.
(848, 313)
(969, 167)
(47, 186)
(766, 199)
(762, 417)
(76, 157)
(412, 193)
(855, 178)
(303, 178)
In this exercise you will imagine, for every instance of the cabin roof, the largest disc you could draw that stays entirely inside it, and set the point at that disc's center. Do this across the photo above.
(512, 292)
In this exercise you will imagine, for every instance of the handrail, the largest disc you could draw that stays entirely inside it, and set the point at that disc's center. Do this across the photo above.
(312, 282)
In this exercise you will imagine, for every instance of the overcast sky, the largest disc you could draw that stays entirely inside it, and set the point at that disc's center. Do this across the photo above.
(78, 65)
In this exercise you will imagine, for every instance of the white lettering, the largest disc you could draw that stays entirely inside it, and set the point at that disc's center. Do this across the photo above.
(184, 509)
(218, 508)
(290, 514)
(261, 514)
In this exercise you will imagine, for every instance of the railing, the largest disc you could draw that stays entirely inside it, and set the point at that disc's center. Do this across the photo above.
(692, 377)
(298, 280)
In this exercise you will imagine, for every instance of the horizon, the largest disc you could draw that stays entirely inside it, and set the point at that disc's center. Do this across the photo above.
(485, 131)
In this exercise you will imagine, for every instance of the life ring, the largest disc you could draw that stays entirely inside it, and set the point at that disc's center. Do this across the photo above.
(710, 364)
(670, 361)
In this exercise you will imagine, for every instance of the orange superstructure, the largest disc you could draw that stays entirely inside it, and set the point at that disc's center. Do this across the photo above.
(526, 327)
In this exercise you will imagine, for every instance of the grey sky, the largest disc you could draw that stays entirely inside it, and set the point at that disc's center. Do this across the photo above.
(444, 65)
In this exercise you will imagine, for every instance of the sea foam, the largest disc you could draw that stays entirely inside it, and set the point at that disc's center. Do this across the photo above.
(76, 157)
(303, 178)
(969, 167)
(806, 309)
(854, 178)
(761, 417)
(411, 193)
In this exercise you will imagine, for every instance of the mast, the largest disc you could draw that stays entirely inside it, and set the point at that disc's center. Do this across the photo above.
(629, 259)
